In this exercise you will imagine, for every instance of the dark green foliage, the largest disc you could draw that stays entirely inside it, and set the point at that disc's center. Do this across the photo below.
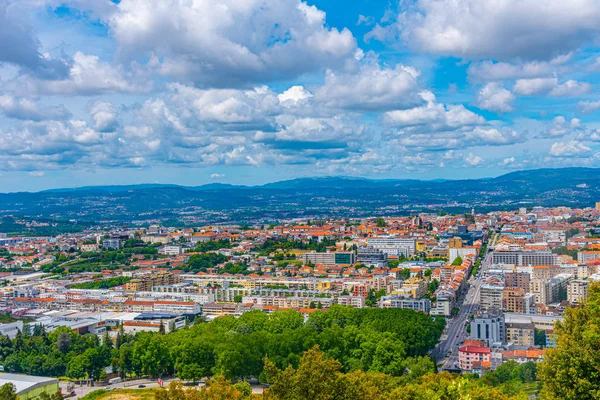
(200, 262)
(457, 261)
(563, 250)
(377, 340)
(271, 245)
(405, 273)
(212, 245)
(58, 353)
(103, 284)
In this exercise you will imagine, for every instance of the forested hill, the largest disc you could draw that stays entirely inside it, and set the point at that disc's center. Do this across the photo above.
(309, 197)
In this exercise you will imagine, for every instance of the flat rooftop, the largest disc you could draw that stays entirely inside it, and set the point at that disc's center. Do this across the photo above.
(24, 383)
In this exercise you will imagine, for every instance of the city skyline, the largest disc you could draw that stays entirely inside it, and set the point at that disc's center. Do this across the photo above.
(129, 92)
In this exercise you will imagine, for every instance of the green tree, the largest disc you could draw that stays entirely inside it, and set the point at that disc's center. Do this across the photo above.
(433, 286)
(539, 337)
(457, 261)
(571, 370)
(380, 222)
(315, 378)
(78, 367)
(8, 391)
(151, 355)
(405, 273)
(193, 359)
(64, 342)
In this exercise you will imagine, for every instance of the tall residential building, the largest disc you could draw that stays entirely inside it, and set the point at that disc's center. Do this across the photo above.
(598, 206)
(490, 297)
(514, 279)
(146, 283)
(577, 291)
(545, 271)
(557, 236)
(514, 300)
(455, 242)
(550, 290)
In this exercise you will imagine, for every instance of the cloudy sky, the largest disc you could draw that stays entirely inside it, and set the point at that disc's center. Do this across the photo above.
(196, 91)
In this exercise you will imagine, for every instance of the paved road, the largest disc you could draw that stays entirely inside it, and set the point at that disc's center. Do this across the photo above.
(81, 391)
(456, 333)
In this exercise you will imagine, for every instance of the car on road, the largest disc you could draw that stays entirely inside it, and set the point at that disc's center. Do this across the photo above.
(141, 386)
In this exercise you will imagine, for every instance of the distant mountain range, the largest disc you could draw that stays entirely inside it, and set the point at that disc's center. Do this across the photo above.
(308, 197)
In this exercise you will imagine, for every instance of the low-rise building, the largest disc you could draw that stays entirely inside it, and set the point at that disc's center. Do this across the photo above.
(395, 301)
(30, 387)
(473, 356)
(112, 243)
(170, 250)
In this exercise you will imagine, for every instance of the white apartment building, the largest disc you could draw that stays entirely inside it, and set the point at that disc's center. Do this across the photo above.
(171, 250)
(351, 301)
(554, 235)
(395, 301)
(548, 291)
(462, 252)
(490, 297)
(584, 256)
(524, 258)
(393, 246)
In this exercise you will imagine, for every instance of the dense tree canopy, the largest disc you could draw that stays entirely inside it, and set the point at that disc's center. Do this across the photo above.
(102, 283)
(200, 262)
(391, 341)
(572, 369)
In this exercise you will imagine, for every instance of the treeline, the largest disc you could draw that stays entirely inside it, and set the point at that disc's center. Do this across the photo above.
(272, 245)
(54, 354)
(390, 341)
(201, 262)
(96, 261)
(103, 284)
(323, 378)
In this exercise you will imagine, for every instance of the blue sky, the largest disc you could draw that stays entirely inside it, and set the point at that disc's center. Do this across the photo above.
(99, 92)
